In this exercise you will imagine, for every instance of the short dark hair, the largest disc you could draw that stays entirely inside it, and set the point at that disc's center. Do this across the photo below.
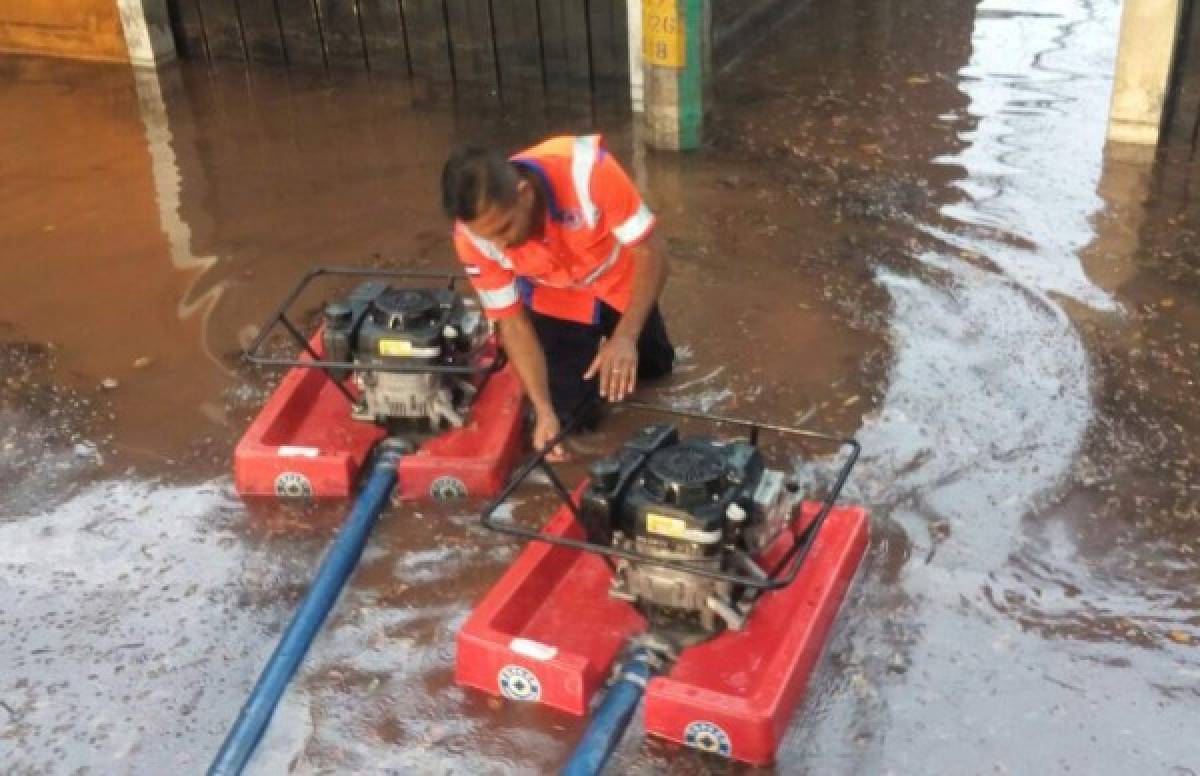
(474, 177)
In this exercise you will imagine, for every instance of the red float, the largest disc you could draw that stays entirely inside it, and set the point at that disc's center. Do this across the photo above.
(736, 694)
(305, 444)
(548, 632)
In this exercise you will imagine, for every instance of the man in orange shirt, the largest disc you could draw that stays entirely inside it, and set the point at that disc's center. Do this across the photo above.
(556, 241)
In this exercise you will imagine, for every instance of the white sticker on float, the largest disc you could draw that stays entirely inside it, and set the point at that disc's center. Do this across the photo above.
(293, 451)
(533, 649)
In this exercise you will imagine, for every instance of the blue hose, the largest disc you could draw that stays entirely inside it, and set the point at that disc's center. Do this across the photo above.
(335, 569)
(610, 720)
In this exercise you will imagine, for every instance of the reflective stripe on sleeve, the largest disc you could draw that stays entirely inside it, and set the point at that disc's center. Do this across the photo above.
(583, 161)
(499, 298)
(635, 226)
(487, 248)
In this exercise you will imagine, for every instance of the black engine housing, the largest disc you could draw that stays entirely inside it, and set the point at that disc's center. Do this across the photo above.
(704, 502)
(378, 322)
(662, 490)
(390, 336)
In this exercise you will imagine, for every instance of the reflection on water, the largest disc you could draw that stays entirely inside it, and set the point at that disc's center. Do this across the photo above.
(904, 225)
(167, 194)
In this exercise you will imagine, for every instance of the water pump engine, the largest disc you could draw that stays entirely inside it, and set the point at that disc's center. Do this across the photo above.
(392, 336)
(703, 502)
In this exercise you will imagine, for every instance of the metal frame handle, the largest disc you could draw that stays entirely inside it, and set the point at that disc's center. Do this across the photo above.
(782, 574)
(479, 363)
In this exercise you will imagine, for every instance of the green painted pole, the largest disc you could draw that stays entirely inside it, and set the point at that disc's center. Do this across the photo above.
(677, 66)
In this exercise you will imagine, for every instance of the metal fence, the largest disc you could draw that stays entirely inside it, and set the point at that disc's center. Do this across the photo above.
(490, 44)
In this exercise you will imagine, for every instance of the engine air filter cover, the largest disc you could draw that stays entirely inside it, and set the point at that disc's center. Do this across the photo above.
(687, 473)
(402, 308)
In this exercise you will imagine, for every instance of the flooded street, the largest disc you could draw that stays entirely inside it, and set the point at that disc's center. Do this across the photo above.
(905, 227)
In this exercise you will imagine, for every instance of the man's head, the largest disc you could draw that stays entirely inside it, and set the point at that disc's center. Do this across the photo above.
(486, 192)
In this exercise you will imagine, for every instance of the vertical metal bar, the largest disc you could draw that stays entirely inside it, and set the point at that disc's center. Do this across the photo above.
(449, 44)
(591, 61)
(241, 25)
(495, 49)
(541, 33)
(223, 30)
(362, 36)
(188, 25)
(203, 33)
(341, 31)
(279, 27)
(261, 31)
(381, 27)
(462, 46)
(316, 8)
(408, 60)
(301, 32)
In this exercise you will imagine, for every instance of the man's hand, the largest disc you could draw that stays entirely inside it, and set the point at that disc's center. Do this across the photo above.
(615, 365)
(616, 362)
(545, 428)
(526, 356)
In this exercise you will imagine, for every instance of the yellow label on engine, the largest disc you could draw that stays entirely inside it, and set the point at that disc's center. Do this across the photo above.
(665, 526)
(395, 347)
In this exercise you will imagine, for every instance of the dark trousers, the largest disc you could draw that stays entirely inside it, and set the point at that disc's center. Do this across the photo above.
(570, 348)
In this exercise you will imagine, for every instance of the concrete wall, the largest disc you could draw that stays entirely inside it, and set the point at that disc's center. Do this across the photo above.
(80, 29)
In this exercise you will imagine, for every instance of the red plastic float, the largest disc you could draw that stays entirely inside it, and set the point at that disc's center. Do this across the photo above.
(305, 444)
(735, 695)
(548, 632)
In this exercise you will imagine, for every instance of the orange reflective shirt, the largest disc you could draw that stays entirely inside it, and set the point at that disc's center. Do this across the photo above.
(594, 214)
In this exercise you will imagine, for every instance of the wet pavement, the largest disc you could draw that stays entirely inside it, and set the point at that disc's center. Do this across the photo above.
(905, 226)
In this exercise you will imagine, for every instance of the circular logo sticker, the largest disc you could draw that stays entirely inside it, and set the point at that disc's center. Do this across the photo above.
(519, 684)
(707, 737)
(292, 485)
(448, 488)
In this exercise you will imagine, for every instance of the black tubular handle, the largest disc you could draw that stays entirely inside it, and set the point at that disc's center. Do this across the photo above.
(477, 364)
(782, 574)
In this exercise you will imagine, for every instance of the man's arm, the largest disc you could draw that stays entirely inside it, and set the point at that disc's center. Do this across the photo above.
(525, 352)
(497, 289)
(632, 224)
(617, 360)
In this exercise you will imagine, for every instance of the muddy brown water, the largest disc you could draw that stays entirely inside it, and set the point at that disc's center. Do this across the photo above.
(905, 226)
